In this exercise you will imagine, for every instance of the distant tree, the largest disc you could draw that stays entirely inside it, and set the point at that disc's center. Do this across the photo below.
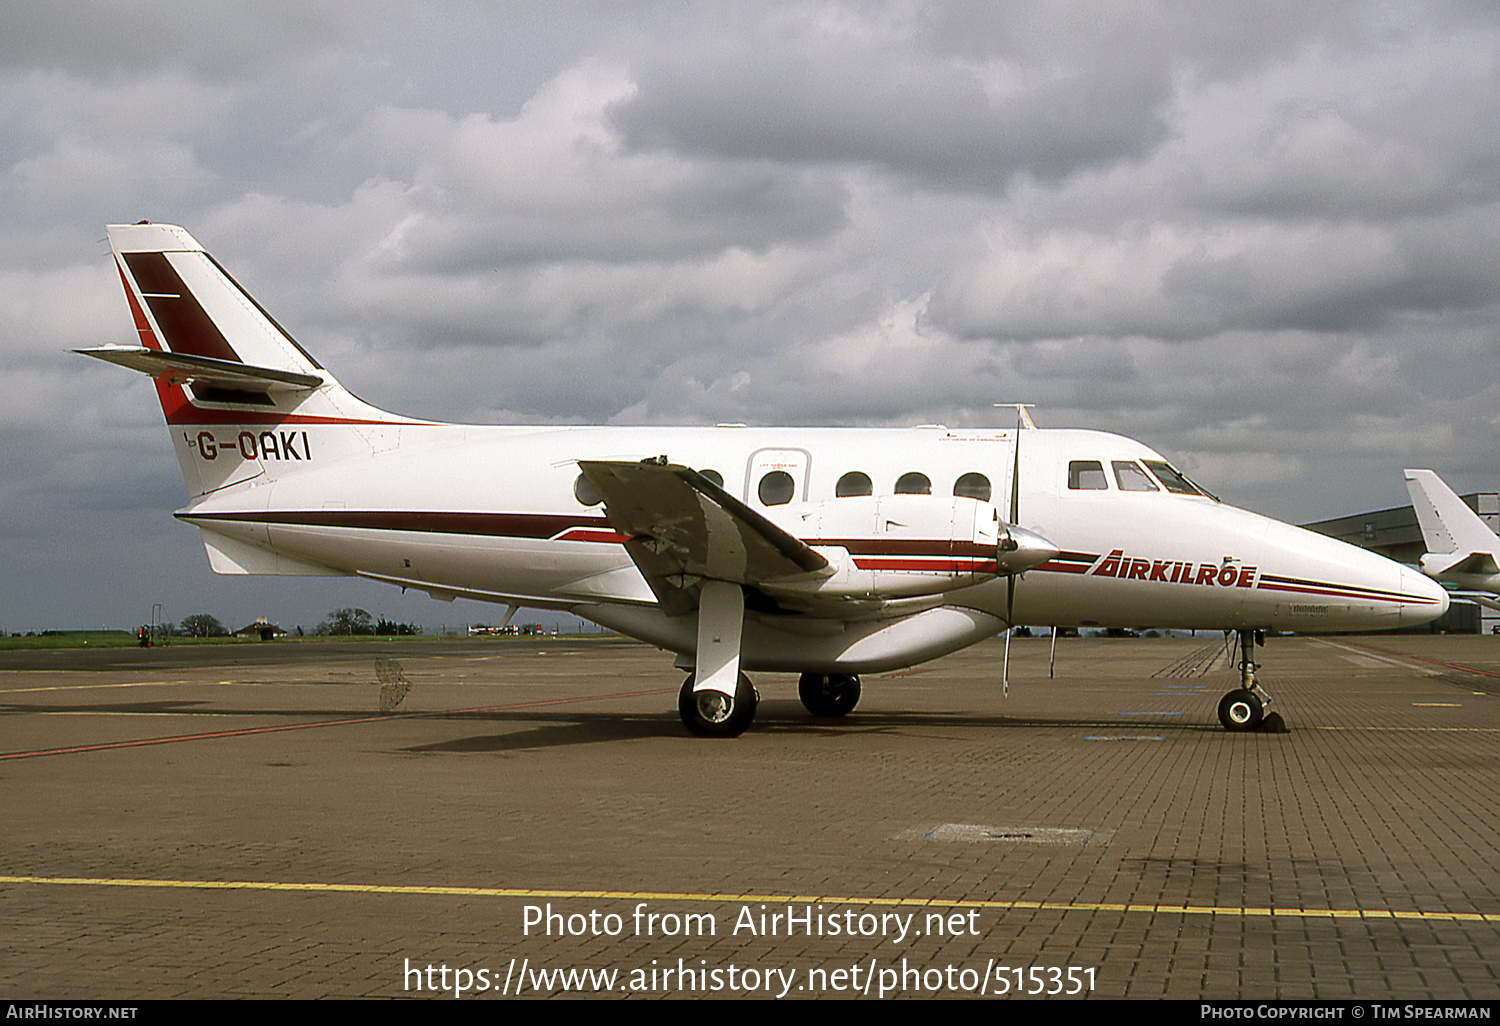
(386, 627)
(346, 621)
(201, 625)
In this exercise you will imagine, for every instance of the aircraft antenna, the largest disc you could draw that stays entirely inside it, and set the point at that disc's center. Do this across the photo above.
(1023, 419)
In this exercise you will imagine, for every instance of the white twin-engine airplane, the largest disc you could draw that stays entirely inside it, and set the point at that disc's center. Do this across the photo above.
(1461, 548)
(827, 552)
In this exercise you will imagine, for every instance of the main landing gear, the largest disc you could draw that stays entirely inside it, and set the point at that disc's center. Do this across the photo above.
(829, 694)
(1244, 707)
(715, 714)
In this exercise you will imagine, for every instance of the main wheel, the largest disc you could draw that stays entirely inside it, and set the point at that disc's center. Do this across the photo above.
(715, 714)
(1241, 709)
(828, 694)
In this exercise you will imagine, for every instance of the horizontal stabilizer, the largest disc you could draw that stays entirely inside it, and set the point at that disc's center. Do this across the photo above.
(1475, 563)
(185, 368)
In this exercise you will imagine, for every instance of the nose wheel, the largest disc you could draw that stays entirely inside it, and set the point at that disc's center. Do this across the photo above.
(1241, 709)
(1244, 708)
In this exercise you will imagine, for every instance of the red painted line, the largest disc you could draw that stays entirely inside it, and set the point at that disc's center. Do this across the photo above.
(142, 742)
(959, 565)
(1423, 659)
(586, 535)
(1339, 591)
(1275, 582)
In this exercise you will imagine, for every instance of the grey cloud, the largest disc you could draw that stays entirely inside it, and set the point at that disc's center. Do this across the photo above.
(931, 123)
(750, 208)
(947, 96)
(111, 38)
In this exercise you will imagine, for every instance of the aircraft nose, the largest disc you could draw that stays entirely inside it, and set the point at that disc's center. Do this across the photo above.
(1424, 599)
(1020, 550)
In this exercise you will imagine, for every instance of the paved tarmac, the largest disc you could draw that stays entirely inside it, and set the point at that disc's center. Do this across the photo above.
(245, 822)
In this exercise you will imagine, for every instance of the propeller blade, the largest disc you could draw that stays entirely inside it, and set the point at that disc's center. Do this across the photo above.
(1011, 552)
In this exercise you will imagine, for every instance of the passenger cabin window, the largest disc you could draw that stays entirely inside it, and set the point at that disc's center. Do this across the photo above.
(1171, 480)
(776, 488)
(714, 476)
(913, 484)
(1086, 475)
(1131, 478)
(973, 486)
(853, 484)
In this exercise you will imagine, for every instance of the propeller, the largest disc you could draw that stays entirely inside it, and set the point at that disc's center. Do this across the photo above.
(1016, 541)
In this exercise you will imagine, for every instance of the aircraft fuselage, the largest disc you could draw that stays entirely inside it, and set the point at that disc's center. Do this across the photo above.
(494, 512)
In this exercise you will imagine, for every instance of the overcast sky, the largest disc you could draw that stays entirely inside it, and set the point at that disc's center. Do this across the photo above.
(1262, 238)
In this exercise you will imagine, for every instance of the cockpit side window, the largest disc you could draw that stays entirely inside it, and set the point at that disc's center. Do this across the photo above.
(1131, 478)
(1171, 480)
(1086, 475)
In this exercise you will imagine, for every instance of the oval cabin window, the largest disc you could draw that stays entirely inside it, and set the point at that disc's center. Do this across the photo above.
(913, 484)
(776, 488)
(853, 484)
(973, 486)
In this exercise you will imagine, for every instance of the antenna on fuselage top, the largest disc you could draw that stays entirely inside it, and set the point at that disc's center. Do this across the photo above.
(1023, 419)
(1023, 423)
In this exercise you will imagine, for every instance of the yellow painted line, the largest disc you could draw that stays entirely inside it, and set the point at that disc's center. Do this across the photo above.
(1438, 705)
(89, 687)
(183, 684)
(778, 899)
(1414, 730)
(439, 683)
(174, 713)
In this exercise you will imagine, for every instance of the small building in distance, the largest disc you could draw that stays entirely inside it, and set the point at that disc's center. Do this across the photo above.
(262, 628)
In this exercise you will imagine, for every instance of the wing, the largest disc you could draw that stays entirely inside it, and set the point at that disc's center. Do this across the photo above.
(683, 529)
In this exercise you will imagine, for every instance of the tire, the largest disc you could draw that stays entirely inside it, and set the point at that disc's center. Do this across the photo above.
(829, 694)
(715, 714)
(1240, 710)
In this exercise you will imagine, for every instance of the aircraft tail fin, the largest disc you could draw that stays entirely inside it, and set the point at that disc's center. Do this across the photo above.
(1450, 528)
(237, 390)
(186, 305)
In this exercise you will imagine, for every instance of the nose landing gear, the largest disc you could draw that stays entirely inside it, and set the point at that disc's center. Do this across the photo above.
(1244, 707)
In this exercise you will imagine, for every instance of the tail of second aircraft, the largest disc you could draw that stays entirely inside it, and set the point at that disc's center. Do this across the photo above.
(1457, 541)
(242, 399)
